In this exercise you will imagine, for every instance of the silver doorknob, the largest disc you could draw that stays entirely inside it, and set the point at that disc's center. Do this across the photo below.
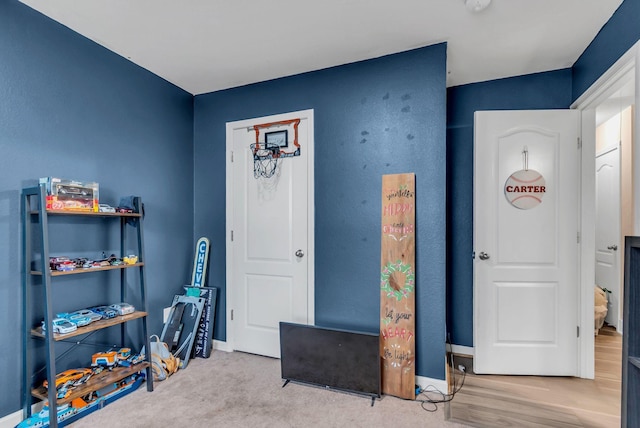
(612, 247)
(299, 253)
(483, 255)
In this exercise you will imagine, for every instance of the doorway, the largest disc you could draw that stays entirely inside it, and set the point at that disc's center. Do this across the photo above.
(614, 193)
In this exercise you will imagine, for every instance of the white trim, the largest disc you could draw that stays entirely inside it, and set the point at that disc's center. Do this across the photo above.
(601, 88)
(230, 126)
(13, 419)
(587, 221)
(439, 384)
(462, 350)
(599, 91)
(219, 345)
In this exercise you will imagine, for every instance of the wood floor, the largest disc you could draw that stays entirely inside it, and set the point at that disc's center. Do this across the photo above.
(532, 401)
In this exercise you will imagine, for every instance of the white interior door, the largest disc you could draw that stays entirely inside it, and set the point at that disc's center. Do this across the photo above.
(269, 263)
(526, 267)
(608, 248)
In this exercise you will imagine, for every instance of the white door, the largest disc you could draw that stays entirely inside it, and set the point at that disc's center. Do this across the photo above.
(526, 266)
(270, 230)
(608, 248)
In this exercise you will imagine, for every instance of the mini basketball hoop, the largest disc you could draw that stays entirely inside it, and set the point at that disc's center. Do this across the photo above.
(265, 160)
(266, 155)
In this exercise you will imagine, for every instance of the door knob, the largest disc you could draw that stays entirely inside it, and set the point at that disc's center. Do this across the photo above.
(299, 253)
(612, 247)
(483, 256)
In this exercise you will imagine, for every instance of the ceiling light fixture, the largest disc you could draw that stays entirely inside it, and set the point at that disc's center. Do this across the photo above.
(476, 5)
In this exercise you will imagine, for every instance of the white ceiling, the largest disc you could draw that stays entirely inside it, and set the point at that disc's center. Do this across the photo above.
(208, 45)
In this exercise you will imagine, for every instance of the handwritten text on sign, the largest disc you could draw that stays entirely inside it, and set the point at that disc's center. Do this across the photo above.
(397, 286)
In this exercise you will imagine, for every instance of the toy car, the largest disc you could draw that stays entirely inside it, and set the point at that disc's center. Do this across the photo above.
(104, 359)
(131, 259)
(78, 320)
(123, 353)
(61, 263)
(104, 208)
(124, 210)
(122, 308)
(87, 313)
(74, 377)
(61, 326)
(105, 311)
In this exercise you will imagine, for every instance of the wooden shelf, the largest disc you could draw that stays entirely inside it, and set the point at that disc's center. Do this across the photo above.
(96, 325)
(95, 383)
(87, 270)
(87, 213)
(634, 361)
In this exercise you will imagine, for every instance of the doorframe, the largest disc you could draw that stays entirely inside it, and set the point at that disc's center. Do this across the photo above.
(231, 217)
(599, 91)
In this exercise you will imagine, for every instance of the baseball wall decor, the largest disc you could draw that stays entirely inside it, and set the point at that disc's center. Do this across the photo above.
(524, 189)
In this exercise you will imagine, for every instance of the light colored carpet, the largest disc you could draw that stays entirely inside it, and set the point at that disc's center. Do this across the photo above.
(243, 390)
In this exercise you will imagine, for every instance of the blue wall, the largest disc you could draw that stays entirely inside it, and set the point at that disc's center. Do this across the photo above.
(70, 108)
(535, 91)
(375, 117)
(615, 38)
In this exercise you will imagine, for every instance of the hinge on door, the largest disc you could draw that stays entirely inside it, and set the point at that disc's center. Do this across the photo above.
(231, 156)
(232, 236)
(231, 314)
(579, 143)
(578, 330)
(578, 237)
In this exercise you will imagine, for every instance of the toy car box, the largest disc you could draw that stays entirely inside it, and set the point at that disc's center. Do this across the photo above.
(63, 195)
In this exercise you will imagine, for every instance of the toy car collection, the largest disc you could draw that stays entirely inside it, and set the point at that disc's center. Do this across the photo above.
(62, 263)
(122, 308)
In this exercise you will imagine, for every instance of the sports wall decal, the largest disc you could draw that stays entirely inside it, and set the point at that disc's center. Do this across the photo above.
(398, 285)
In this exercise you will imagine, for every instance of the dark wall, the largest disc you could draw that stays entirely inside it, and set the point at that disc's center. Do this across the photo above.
(549, 90)
(70, 108)
(374, 117)
(615, 38)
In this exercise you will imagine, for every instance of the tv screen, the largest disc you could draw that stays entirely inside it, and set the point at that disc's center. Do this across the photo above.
(339, 359)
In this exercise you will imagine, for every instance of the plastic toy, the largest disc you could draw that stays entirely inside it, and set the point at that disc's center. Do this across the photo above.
(73, 377)
(104, 359)
(78, 320)
(122, 308)
(124, 210)
(105, 208)
(93, 316)
(61, 326)
(105, 311)
(123, 353)
(79, 407)
(131, 259)
(61, 263)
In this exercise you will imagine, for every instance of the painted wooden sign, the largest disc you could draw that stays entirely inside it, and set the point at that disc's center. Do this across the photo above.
(398, 286)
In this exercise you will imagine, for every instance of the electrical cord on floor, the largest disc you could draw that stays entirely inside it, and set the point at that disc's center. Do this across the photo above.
(442, 397)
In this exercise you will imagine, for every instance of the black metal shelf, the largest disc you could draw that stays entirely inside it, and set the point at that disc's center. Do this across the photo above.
(35, 225)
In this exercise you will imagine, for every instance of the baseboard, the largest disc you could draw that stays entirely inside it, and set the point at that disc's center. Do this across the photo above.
(220, 346)
(13, 419)
(439, 384)
(462, 350)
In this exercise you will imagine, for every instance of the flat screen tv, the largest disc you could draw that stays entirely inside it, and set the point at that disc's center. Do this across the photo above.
(344, 360)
